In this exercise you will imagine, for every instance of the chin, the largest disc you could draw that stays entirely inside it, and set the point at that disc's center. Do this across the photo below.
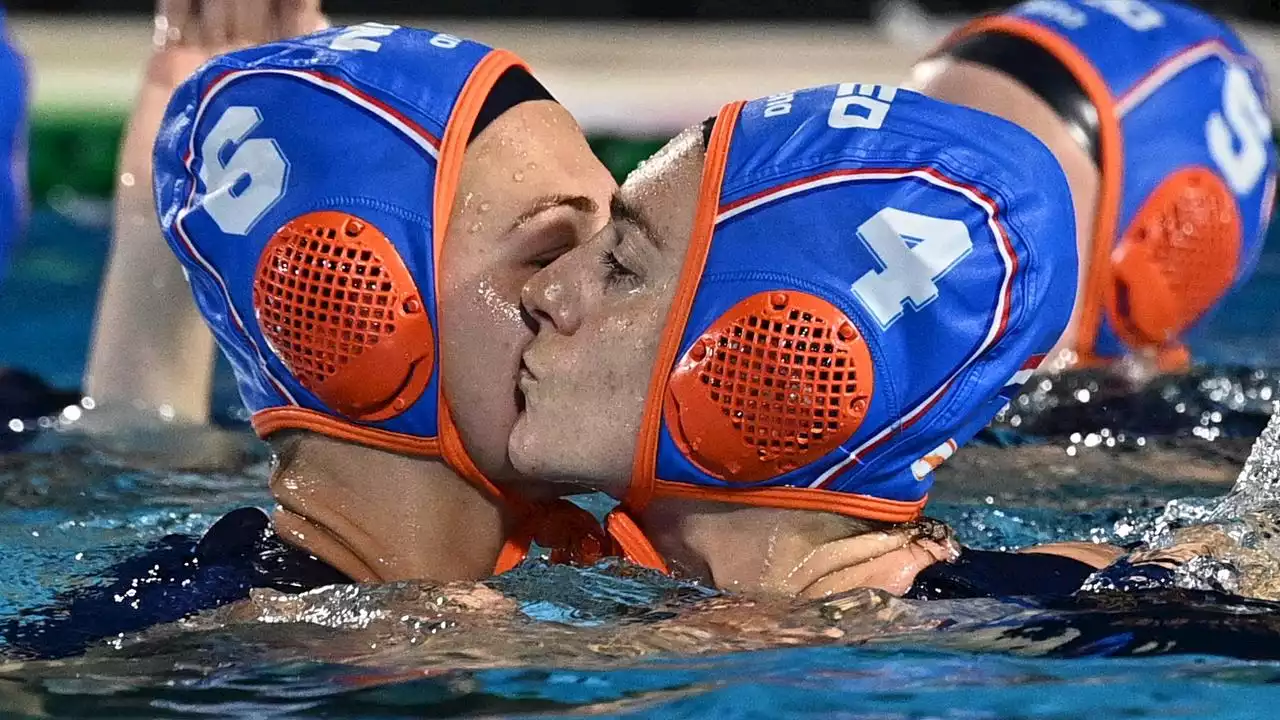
(492, 451)
(540, 464)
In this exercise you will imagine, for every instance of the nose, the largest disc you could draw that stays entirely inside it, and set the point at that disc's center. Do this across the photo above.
(554, 298)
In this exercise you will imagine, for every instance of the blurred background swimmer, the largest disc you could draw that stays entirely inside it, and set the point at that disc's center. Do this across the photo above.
(1161, 118)
(23, 394)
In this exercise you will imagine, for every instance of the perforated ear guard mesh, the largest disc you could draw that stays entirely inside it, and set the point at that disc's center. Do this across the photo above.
(1178, 257)
(341, 310)
(775, 383)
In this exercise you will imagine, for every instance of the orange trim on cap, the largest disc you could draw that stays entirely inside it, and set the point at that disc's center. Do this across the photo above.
(273, 420)
(453, 149)
(789, 498)
(453, 146)
(1098, 287)
(645, 466)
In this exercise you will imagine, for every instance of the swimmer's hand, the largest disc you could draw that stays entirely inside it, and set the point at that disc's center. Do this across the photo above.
(190, 32)
(887, 561)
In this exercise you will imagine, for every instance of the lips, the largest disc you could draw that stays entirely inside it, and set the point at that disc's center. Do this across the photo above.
(527, 377)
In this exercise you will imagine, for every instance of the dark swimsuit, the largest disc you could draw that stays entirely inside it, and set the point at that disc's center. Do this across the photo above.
(176, 577)
(987, 574)
(179, 576)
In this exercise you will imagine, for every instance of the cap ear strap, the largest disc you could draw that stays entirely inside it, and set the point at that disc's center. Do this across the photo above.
(644, 467)
(1179, 256)
(452, 152)
(633, 543)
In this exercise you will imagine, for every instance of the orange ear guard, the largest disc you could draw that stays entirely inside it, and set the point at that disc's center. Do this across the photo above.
(775, 383)
(342, 312)
(1177, 258)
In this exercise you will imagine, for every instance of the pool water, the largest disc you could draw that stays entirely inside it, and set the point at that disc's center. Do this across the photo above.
(1077, 459)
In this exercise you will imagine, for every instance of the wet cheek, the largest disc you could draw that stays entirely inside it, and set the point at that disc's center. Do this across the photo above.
(499, 300)
(497, 330)
(623, 369)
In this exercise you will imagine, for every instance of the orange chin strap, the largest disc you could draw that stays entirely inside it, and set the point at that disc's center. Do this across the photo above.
(622, 528)
(342, 312)
(777, 382)
(1177, 258)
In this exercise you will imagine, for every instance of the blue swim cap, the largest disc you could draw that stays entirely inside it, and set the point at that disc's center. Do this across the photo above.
(872, 275)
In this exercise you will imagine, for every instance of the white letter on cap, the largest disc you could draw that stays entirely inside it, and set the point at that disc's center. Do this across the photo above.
(357, 37)
(258, 161)
(909, 273)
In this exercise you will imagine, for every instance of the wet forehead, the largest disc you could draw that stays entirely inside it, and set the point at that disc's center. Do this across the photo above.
(664, 190)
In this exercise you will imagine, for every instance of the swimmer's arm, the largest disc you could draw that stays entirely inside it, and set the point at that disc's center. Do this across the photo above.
(1095, 555)
(150, 350)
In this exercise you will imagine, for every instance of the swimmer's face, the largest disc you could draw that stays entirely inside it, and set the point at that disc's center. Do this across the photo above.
(530, 189)
(600, 311)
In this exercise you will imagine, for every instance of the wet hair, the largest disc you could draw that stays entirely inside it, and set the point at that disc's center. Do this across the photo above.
(708, 127)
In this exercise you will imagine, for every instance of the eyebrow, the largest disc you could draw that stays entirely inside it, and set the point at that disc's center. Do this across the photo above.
(543, 204)
(621, 211)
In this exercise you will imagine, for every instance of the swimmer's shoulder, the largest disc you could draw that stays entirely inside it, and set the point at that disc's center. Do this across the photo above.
(173, 578)
(244, 539)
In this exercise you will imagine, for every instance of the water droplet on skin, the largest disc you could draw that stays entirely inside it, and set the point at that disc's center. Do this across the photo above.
(533, 166)
(518, 176)
(497, 304)
(475, 228)
(484, 206)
